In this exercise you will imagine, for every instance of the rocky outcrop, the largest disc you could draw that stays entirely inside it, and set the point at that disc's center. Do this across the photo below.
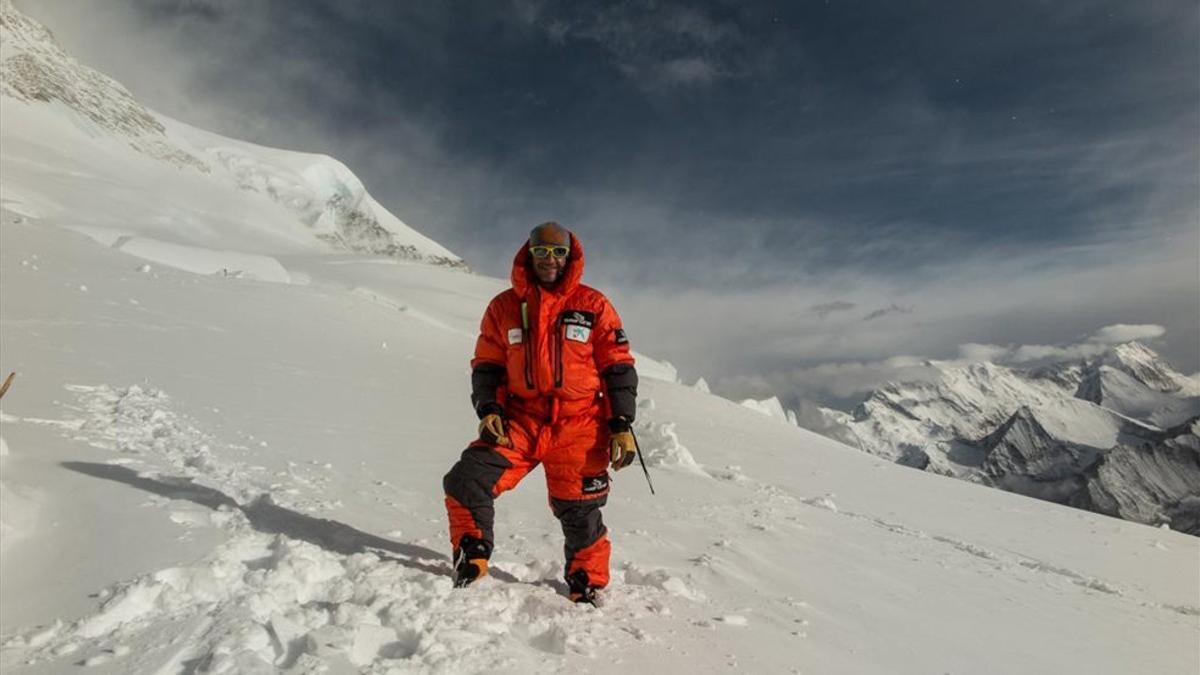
(1135, 471)
(1151, 477)
(359, 231)
(34, 67)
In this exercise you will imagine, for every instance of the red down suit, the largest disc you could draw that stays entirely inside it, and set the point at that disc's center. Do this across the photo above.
(555, 363)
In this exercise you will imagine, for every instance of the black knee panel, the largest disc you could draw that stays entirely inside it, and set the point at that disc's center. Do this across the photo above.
(472, 478)
(582, 523)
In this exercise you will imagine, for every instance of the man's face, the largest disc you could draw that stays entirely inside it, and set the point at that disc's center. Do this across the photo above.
(550, 268)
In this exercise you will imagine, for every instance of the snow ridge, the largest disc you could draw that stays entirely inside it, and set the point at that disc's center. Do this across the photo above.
(48, 95)
(320, 191)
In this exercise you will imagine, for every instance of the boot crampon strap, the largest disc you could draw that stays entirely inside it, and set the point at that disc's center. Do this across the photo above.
(580, 591)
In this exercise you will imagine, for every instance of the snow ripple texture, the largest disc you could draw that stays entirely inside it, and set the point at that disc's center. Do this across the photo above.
(290, 591)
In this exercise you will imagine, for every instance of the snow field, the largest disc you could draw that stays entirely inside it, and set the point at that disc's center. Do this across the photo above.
(271, 601)
(193, 259)
(18, 507)
(274, 440)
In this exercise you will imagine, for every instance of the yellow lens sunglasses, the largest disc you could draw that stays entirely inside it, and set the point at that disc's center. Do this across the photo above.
(545, 251)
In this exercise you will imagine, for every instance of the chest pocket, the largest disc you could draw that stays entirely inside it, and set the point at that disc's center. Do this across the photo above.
(573, 325)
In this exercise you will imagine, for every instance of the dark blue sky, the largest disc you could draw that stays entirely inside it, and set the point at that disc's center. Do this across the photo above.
(872, 153)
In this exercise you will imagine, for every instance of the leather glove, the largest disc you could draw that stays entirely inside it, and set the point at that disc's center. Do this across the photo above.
(491, 429)
(622, 449)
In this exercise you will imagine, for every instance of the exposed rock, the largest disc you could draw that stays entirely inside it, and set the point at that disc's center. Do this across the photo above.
(33, 67)
(329, 203)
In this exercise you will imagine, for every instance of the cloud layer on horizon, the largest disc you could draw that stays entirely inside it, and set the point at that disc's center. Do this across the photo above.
(772, 342)
(846, 381)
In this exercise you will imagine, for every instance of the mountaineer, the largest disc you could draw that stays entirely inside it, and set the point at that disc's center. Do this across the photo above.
(553, 382)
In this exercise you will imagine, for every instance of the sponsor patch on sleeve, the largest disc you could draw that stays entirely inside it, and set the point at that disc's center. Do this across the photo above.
(514, 336)
(595, 484)
(620, 336)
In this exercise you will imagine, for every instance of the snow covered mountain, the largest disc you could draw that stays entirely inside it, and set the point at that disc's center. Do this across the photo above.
(1117, 434)
(241, 473)
(60, 114)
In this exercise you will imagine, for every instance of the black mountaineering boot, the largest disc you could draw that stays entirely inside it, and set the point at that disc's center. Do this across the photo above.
(579, 590)
(470, 560)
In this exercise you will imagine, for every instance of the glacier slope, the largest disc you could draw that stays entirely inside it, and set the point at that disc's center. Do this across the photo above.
(68, 128)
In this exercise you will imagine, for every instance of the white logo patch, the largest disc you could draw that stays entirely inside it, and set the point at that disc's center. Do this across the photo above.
(578, 333)
(514, 336)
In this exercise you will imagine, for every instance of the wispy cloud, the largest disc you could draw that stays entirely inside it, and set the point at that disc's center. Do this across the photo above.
(694, 70)
(840, 381)
(845, 382)
(654, 44)
(977, 308)
(1120, 333)
(884, 311)
(1094, 345)
(824, 309)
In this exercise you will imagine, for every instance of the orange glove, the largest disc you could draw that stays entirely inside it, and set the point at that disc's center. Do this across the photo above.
(491, 429)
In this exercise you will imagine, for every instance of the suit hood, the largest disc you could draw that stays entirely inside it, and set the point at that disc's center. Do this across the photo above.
(524, 280)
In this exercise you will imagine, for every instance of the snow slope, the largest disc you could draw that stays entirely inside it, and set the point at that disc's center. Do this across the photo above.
(68, 128)
(214, 481)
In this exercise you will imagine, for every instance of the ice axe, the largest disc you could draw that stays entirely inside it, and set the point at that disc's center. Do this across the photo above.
(7, 383)
(637, 447)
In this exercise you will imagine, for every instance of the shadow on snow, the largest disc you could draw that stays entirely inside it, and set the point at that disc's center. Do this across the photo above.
(270, 518)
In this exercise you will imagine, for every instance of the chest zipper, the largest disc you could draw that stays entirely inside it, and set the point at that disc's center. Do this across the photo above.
(527, 338)
(558, 352)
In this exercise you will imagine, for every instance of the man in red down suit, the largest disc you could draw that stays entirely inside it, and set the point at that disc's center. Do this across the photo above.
(553, 383)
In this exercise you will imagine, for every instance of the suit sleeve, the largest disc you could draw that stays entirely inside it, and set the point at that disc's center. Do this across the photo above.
(489, 346)
(615, 362)
(488, 373)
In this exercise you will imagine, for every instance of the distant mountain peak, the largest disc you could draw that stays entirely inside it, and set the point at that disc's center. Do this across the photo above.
(1042, 431)
(1142, 363)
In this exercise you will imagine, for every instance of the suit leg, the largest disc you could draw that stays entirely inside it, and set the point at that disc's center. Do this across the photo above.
(484, 472)
(577, 477)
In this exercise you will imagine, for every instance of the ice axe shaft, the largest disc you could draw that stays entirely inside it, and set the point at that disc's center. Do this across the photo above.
(638, 450)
